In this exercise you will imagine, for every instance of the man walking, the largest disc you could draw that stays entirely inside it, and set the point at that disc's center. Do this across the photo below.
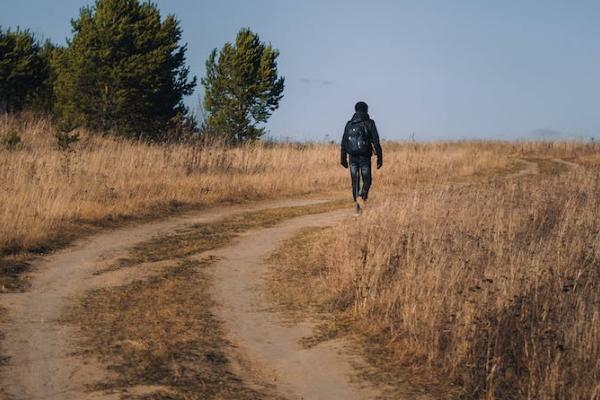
(359, 142)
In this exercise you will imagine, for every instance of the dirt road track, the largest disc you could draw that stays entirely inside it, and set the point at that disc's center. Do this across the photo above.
(321, 372)
(569, 164)
(530, 168)
(41, 364)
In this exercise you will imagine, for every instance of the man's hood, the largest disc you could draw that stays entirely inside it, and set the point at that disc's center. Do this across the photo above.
(360, 116)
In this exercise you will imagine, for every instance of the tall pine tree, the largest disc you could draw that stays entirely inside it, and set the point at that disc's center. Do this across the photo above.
(24, 70)
(123, 71)
(242, 88)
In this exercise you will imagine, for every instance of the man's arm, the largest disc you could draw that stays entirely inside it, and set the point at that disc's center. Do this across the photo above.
(376, 144)
(343, 152)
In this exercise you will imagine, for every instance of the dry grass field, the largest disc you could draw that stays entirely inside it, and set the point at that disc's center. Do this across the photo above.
(488, 288)
(45, 193)
(459, 271)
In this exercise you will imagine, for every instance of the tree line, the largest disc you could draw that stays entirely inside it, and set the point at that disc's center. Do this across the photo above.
(123, 72)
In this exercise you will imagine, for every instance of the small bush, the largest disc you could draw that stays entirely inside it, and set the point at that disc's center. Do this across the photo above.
(65, 139)
(12, 140)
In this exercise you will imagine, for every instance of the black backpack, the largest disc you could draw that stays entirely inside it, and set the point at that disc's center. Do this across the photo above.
(358, 139)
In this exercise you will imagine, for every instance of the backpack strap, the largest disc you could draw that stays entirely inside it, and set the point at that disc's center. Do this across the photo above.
(366, 126)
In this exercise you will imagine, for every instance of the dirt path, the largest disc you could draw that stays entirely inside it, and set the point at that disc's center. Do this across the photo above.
(531, 168)
(321, 372)
(39, 348)
(569, 164)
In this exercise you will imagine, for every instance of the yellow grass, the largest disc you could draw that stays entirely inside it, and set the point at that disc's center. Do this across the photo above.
(490, 282)
(493, 287)
(45, 192)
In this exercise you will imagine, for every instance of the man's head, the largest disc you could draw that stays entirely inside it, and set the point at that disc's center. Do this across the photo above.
(361, 106)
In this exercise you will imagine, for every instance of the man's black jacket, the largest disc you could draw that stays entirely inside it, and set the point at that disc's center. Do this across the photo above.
(358, 117)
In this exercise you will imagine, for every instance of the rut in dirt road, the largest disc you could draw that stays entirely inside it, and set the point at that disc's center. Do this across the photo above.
(264, 341)
(38, 346)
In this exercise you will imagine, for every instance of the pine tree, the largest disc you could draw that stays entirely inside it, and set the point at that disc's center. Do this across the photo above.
(242, 88)
(43, 100)
(123, 71)
(23, 70)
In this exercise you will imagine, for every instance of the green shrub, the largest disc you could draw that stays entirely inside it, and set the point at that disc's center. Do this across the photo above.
(65, 139)
(11, 140)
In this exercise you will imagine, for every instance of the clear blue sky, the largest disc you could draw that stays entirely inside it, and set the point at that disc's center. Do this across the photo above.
(440, 69)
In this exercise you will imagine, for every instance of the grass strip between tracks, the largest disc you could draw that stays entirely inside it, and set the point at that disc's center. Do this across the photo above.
(160, 333)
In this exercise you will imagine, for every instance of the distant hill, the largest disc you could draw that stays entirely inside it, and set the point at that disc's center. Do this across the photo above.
(553, 134)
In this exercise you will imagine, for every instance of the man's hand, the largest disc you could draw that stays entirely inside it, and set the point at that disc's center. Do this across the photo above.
(344, 162)
(379, 162)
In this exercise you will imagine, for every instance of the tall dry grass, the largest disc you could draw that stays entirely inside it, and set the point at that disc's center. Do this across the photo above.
(45, 192)
(494, 286)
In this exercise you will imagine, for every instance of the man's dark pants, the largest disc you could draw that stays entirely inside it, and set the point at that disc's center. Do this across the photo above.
(360, 168)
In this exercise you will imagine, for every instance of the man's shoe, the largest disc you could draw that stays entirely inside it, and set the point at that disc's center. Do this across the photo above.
(364, 202)
(357, 208)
